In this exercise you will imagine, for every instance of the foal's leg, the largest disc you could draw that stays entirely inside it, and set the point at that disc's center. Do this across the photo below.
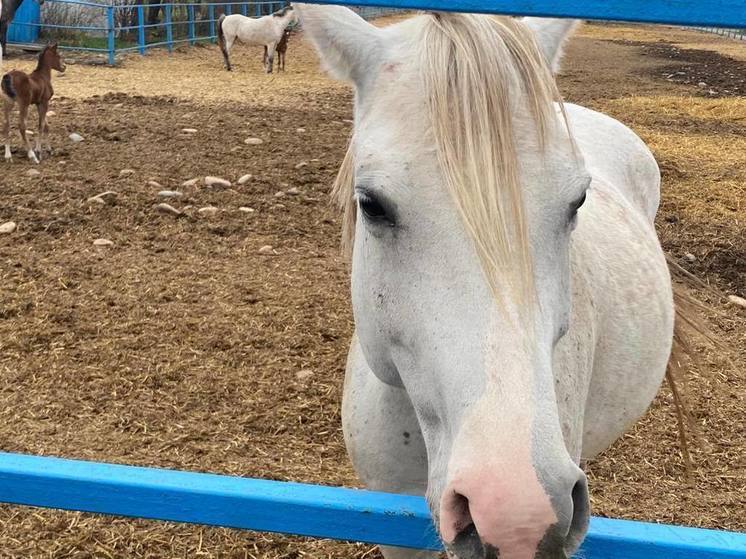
(7, 107)
(42, 109)
(22, 114)
(383, 438)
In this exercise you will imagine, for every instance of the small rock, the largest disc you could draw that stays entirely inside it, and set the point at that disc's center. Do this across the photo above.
(51, 113)
(702, 84)
(155, 184)
(304, 374)
(348, 121)
(217, 181)
(208, 210)
(187, 115)
(119, 105)
(293, 191)
(734, 299)
(279, 194)
(689, 257)
(253, 141)
(246, 209)
(301, 165)
(190, 182)
(75, 137)
(8, 227)
(244, 179)
(266, 249)
(103, 242)
(126, 172)
(167, 209)
(300, 130)
(170, 194)
(234, 149)
(33, 173)
(189, 130)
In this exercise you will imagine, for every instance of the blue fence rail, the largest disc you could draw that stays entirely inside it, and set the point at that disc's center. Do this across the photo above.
(306, 510)
(126, 28)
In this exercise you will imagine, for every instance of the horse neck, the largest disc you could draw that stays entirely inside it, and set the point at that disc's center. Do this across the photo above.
(43, 69)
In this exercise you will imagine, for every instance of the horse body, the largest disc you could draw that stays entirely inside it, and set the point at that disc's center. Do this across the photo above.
(30, 89)
(266, 30)
(513, 307)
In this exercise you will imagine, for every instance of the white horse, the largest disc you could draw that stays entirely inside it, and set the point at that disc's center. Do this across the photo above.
(265, 31)
(512, 303)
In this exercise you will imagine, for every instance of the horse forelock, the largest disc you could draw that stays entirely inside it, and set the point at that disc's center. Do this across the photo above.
(476, 71)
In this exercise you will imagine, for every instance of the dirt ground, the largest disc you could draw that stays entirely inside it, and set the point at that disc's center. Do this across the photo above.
(179, 345)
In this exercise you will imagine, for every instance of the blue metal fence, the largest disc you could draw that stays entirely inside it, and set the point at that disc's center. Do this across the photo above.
(306, 510)
(124, 27)
(27, 12)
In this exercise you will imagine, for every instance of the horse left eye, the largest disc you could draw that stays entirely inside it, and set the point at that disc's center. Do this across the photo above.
(371, 208)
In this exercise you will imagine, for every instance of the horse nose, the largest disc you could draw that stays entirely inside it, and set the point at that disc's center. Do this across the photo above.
(484, 519)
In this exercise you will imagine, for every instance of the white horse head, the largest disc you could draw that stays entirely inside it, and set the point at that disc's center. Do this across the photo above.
(462, 185)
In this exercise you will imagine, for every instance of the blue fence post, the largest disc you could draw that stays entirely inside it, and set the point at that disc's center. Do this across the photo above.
(110, 33)
(190, 15)
(141, 28)
(257, 9)
(228, 9)
(169, 27)
(244, 9)
(211, 17)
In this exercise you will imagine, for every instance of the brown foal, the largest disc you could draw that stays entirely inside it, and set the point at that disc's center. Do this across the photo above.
(30, 89)
(280, 49)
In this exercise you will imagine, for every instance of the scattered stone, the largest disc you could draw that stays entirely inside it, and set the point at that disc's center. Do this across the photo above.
(304, 374)
(75, 137)
(103, 198)
(300, 130)
(33, 173)
(301, 165)
(126, 172)
(190, 182)
(253, 141)
(8, 227)
(244, 179)
(266, 249)
(234, 149)
(348, 121)
(217, 181)
(689, 257)
(246, 209)
(702, 84)
(155, 184)
(189, 130)
(315, 160)
(279, 194)
(167, 209)
(103, 242)
(119, 105)
(734, 299)
(208, 210)
(51, 113)
(187, 115)
(293, 191)
(170, 194)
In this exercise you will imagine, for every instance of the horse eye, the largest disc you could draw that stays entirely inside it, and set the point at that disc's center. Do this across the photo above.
(371, 208)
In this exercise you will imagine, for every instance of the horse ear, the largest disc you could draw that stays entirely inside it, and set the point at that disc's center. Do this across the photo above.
(348, 45)
(551, 35)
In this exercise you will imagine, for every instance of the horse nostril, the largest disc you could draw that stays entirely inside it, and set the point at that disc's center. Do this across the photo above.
(580, 516)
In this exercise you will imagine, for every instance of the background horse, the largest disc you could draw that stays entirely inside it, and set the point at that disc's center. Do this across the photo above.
(34, 89)
(7, 13)
(513, 307)
(266, 30)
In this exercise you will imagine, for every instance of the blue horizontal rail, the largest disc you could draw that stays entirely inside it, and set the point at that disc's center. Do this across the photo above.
(712, 13)
(306, 510)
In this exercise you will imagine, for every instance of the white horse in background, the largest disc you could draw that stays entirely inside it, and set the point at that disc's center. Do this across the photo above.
(513, 307)
(265, 31)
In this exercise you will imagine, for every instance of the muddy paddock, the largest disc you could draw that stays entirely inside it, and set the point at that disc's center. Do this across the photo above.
(180, 344)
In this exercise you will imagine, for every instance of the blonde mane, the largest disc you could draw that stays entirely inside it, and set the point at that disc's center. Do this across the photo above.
(478, 72)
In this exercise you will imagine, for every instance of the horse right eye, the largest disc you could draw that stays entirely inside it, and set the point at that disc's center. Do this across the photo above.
(371, 208)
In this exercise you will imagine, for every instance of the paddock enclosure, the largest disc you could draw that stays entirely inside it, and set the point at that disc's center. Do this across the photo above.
(183, 346)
